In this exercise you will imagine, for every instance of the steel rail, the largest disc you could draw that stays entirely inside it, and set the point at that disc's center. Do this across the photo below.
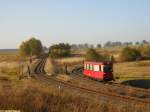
(41, 76)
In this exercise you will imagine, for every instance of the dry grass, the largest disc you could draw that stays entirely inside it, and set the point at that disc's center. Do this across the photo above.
(52, 67)
(57, 66)
(132, 70)
(109, 51)
(63, 77)
(70, 61)
(31, 96)
(143, 63)
(12, 64)
(10, 57)
(12, 68)
(49, 68)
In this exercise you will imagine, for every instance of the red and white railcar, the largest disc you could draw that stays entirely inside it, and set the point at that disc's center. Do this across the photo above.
(99, 70)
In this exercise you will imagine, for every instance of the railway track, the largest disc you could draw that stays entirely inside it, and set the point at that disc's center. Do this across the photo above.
(40, 75)
(77, 73)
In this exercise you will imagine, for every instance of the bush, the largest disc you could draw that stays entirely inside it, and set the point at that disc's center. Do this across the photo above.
(60, 50)
(145, 50)
(92, 55)
(130, 54)
(31, 46)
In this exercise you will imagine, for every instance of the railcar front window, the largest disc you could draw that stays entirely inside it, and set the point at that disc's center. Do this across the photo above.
(108, 69)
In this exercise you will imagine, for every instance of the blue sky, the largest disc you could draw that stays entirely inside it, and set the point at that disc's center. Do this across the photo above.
(73, 21)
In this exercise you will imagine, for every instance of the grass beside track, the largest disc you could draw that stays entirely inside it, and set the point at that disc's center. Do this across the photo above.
(9, 56)
(132, 70)
(30, 95)
(68, 86)
(124, 70)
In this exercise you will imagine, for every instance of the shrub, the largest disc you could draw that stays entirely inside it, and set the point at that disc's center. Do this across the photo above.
(129, 54)
(92, 55)
(60, 50)
(145, 50)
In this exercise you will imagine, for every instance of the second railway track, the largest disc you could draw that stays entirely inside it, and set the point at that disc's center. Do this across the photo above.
(78, 74)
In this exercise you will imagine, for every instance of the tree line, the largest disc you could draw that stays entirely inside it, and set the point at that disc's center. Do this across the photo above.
(34, 46)
(108, 44)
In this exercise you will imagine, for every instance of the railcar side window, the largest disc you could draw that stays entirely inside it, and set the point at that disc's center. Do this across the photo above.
(96, 68)
(102, 68)
(91, 67)
(85, 66)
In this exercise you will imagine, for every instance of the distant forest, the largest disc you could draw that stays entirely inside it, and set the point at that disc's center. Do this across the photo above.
(87, 45)
(108, 44)
(8, 50)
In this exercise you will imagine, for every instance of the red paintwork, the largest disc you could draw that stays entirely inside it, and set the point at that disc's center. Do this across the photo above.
(98, 74)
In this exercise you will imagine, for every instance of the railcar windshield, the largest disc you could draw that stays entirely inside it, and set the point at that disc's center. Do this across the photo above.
(108, 68)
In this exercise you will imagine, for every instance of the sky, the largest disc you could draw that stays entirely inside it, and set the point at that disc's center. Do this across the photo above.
(73, 21)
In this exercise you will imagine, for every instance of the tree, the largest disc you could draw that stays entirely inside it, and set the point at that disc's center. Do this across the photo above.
(99, 46)
(60, 50)
(108, 44)
(24, 49)
(35, 46)
(92, 46)
(74, 46)
(112, 44)
(31, 47)
(92, 55)
(145, 42)
(86, 45)
(130, 54)
(137, 43)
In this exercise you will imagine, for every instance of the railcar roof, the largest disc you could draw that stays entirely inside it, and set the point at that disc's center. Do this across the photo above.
(98, 63)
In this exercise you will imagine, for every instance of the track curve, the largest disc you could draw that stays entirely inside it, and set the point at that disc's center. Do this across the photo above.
(40, 75)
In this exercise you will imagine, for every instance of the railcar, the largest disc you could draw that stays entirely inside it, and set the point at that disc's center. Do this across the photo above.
(99, 70)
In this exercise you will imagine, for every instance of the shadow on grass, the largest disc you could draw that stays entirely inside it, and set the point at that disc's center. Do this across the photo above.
(140, 83)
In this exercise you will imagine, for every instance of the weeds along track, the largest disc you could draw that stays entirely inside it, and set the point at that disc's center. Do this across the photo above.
(77, 73)
(41, 76)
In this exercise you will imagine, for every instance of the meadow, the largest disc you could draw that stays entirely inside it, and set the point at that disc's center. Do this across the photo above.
(12, 64)
(136, 73)
(133, 70)
(16, 94)
(30, 95)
